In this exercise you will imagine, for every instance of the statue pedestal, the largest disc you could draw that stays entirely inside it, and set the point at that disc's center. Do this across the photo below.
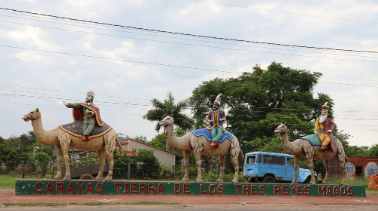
(95, 187)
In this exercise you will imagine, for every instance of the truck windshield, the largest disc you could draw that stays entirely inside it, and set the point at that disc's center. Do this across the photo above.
(251, 160)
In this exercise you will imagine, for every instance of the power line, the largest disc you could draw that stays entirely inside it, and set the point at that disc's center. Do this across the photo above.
(185, 34)
(63, 108)
(105, 103)
(72, 92)
(133, 32)
(110, 104)
(290, 13)
(149, 63)
(107, 58)
(332, 82)
(235, 49)
(175, 118)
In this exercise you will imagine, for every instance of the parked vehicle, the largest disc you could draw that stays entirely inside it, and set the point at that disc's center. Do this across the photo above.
(270, 167)
(83, 164)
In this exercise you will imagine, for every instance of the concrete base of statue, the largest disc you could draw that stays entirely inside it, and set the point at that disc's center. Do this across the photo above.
(130, 187)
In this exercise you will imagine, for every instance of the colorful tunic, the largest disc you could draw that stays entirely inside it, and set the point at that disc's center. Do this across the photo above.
(216, 116)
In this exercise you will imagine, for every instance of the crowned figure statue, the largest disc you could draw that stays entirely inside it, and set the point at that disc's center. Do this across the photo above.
(215, 118)
(87, 111)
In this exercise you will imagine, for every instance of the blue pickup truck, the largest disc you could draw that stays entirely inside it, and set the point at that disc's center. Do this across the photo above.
(270, 167)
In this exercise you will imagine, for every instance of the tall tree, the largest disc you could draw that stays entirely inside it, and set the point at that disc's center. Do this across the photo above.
(168, 107)
(252, 96)
(2, 141)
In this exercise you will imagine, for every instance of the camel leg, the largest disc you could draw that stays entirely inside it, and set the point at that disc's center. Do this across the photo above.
(59, 164)
(222, 165)
(197, 149)
(101, 157)
(296, 163)
(110, 144)
(310, 162)
(199, 170)
(234, 160)
(326, 166)
(65, 142)
(186, 166)
(341, 158)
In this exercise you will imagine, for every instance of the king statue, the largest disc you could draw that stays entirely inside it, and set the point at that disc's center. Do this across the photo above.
(87, 111)
(215, 118)
(324, 127)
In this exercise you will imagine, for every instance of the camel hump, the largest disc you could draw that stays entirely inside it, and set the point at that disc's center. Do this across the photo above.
(76, 129)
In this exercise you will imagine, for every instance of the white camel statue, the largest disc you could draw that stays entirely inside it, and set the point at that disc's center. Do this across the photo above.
(104, 145)
(201, 146)
(301, 147)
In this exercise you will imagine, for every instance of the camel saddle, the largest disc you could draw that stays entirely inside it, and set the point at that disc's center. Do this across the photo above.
(207, 133)
(76, 129)
(314, 141)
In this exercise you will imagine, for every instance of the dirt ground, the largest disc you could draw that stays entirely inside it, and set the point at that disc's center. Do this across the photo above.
(208, 207)
(370, 202)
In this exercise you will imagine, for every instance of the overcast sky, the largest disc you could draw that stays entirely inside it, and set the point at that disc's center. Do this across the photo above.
(31, 79)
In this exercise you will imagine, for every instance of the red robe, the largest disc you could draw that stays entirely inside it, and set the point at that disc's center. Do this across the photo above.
(77, 113)
(328, 125)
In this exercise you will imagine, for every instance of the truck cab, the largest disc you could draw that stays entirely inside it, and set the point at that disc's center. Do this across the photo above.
(270, 167)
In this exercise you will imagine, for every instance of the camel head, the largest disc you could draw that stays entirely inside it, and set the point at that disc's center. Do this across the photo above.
(32, 115)
(168, 120)
(282, 128)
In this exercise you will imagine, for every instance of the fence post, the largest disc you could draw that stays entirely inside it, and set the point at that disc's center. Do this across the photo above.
(23, 169)
(52, 174)
(128, 171)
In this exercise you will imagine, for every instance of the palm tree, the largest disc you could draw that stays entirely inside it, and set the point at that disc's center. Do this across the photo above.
(168, 107)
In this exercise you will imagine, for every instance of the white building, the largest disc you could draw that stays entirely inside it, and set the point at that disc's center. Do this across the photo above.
(169, 159)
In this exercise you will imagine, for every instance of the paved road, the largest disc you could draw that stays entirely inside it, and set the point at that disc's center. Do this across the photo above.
(233, 207)
(370, 202)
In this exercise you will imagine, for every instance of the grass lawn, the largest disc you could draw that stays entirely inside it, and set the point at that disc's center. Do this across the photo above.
(8, 181)
(359, 181)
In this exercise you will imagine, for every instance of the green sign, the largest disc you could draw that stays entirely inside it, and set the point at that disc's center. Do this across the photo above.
(91, 187)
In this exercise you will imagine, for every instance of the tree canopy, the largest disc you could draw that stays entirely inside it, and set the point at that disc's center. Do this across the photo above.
(168, 107)
(259, 101)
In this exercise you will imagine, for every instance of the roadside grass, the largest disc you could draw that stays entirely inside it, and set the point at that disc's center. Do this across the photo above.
(34, 204)
(8, 181)
(359, 181)
(372, 192)
(37, 204)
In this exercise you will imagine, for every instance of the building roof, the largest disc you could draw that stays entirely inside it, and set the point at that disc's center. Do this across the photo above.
(124, 139)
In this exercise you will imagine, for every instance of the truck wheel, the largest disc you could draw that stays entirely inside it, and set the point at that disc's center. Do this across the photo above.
(87, 177)
(269, 179)
(308, 180)
(252, 180)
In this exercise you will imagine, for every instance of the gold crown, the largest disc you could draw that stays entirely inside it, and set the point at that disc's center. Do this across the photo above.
(325, 106)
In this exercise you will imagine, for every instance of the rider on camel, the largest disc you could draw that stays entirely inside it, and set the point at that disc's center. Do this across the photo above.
(215, 118)
(324, 127)
(87, 111)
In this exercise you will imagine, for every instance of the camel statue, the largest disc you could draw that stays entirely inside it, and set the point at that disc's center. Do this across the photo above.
(201, 146)
(301, 147)
(104, 145)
